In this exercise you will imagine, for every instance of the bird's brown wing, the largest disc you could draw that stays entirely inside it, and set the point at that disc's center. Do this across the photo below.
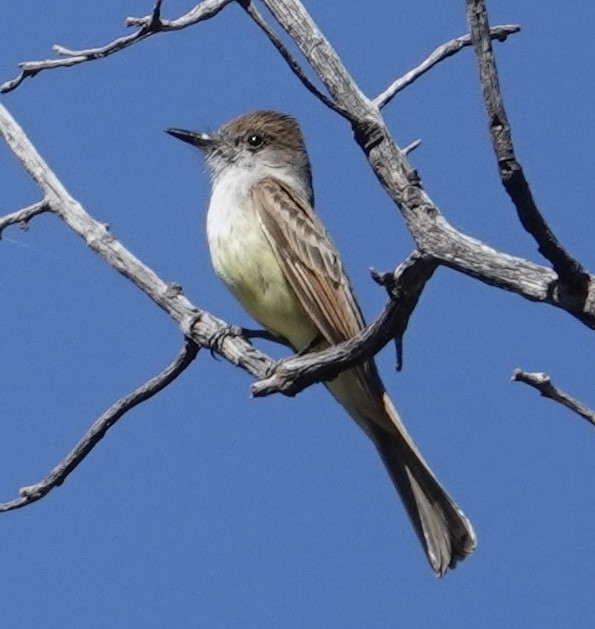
(309, 259)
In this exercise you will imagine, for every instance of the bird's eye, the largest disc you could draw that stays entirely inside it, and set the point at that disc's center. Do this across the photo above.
(255, 141)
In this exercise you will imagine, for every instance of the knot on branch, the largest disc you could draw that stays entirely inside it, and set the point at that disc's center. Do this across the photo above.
(368, 133)
(173, 290)
(572, 290)
(149, 24)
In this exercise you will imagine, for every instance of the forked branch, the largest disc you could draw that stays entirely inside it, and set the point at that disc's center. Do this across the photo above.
(569, 270)
(22, 217)
(148, 26)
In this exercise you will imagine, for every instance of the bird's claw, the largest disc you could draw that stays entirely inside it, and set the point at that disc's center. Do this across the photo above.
(226, 331)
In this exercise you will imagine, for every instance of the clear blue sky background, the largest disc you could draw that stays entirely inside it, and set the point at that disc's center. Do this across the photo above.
(204, 508)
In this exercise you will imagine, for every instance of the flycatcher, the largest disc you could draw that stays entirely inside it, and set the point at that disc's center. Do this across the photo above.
(275, 256)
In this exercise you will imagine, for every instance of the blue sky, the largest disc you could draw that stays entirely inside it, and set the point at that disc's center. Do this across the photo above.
(204, 508)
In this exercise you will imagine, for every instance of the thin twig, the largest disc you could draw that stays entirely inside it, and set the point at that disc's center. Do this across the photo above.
(292, 375)
(149, 25)
(411, 146)
(543, 383)
(439, 54)
(405, 285)
(98, 430)
(23, 216)
(568, 268)
(253, 12)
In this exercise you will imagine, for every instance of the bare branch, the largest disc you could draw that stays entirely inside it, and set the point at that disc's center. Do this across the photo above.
(292, 375)
(149, 25)
(543, 383)
(568, 268)
(98, 430)
(405, 285)
(439, 54)
(22, 217)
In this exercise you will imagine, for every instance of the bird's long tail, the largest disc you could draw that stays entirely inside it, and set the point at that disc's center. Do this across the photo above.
(442, 528)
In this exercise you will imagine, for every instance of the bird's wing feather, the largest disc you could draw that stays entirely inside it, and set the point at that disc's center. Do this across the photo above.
(309, 259)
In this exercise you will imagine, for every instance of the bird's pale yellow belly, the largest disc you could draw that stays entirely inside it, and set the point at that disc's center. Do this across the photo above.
(243, 258)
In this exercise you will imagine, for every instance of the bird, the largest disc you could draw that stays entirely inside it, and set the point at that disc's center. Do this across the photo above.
(273, 253)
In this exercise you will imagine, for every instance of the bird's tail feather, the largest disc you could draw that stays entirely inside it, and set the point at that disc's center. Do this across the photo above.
(443, 529)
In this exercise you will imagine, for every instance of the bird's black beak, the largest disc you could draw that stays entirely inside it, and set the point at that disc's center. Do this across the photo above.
(202, 141)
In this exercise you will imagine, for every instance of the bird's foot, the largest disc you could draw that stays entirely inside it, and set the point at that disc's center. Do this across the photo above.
(237, 331)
